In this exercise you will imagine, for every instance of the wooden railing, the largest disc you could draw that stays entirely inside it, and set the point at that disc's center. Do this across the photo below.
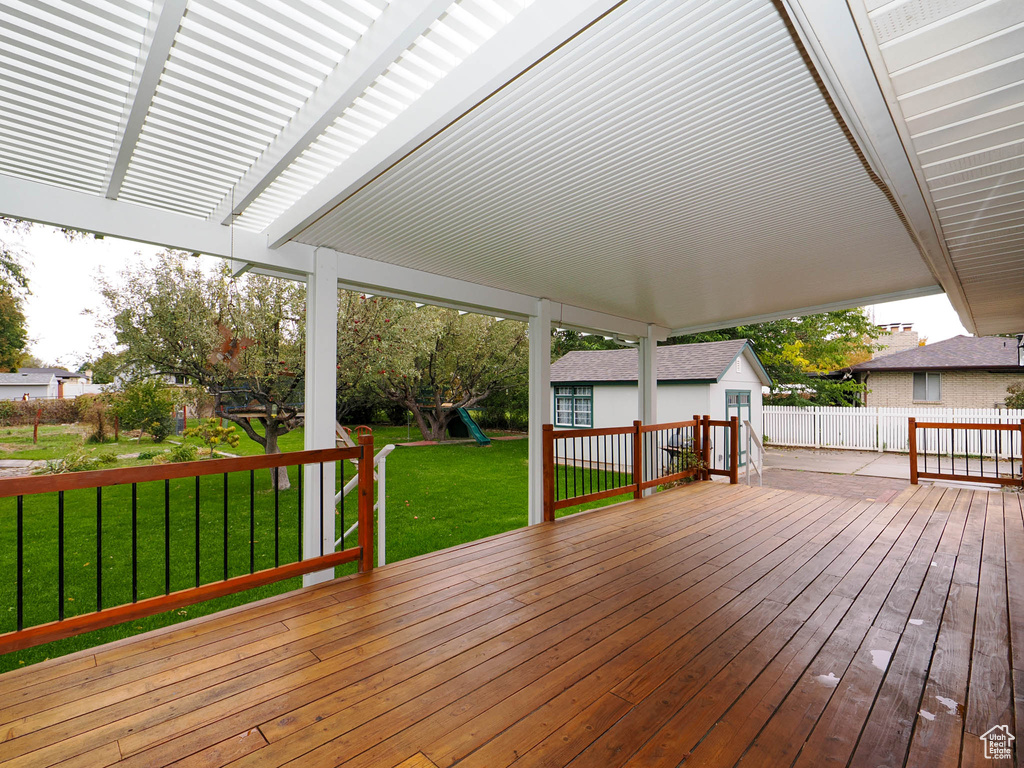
(583, 465)
(94, 549)
(975, 453)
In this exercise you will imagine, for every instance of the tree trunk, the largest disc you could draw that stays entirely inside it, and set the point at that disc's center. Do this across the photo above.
(270, 429)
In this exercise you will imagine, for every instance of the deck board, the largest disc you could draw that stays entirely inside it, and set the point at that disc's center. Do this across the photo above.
(710, 625)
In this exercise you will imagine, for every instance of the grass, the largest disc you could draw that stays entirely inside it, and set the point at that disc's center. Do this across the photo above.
(437, 497)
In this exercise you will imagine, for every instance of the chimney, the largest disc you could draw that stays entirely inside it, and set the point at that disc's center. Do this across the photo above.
(896, 337)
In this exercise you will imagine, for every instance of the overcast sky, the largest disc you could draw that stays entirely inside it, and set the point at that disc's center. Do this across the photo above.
(62, 278)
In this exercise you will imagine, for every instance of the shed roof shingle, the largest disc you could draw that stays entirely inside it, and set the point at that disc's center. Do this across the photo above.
(986, 352)
(678, 362)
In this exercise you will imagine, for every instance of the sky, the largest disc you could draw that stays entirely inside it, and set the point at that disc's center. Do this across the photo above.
(62, 277)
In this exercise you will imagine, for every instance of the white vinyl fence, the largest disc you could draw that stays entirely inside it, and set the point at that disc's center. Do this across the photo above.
(867, 429)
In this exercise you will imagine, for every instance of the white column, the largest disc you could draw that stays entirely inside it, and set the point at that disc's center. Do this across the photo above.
(540, 404)
(647, 383)
(321, 393)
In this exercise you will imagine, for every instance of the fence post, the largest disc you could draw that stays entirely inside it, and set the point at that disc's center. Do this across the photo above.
(1021, 454)
(912, 441)
(734, 450)
(696, 448)
(638, 457)
(548, 460)
(816, 426)
(365, 504)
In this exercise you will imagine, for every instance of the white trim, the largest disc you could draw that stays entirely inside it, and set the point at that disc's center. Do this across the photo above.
(881, 298)
(46, 204)
(164, 20)
(534, 33)
(396, 29)
(847, 59)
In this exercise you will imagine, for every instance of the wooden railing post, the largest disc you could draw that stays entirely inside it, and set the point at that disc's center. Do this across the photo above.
(1021, 455)
(912, 439)
(705, 444)
(365, 504)
(638, 457)
(549, 472)
(734, 450)
(695, 447)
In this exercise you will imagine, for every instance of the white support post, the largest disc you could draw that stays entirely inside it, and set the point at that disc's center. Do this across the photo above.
(647, 382)
(382, 530)
(540, 404)
(321, 394)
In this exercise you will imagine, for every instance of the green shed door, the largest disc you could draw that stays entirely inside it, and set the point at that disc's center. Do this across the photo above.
(737, 403)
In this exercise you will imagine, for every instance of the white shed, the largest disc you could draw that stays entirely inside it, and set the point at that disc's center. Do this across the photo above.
(27, 386)
(598, 388)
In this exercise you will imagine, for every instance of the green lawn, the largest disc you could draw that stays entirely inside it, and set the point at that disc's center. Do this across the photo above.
(437, 496)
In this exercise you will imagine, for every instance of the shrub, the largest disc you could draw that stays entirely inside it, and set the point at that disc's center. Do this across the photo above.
(182, 453)
(7, 412)
(97, 414)
(144, 455)
(212, 434)
(76, 460)
(146, 405)
(161, 428)
(1015, 394)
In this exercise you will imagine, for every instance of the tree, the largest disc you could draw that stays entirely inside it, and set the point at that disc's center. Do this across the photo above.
(105, 367)
(797, 351)
(1015, 395)
(241, 340)
(13, 287)
(212, 434)
(146, 404)
(434, 361)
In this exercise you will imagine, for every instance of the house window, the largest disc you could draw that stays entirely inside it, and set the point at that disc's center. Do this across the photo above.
(927, 387)
(574, 406)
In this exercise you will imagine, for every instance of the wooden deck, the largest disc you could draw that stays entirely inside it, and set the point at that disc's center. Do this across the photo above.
(713, 625)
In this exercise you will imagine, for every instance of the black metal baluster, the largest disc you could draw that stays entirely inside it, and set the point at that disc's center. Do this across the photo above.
(301, 511)
(167, 537)
(135, 542)
(277, 520)
(590, 461)
(341, 505)
(252, 519)
(99, 549)
(225, 526)
(574, 473)
(60, 555)
(197, 530)
(21, 563)
(998, 443)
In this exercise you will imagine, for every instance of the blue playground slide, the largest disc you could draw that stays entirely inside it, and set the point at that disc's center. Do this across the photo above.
(468, 428)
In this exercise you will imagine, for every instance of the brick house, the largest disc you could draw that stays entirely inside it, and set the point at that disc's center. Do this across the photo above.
(962, 372)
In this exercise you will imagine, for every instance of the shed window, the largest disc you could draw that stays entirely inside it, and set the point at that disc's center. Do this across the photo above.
(928, 387)
(574, 406)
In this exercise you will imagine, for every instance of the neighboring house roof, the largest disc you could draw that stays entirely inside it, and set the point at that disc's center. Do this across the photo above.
(677, 362)
(25, 379)
(60, 373)
(988, 353)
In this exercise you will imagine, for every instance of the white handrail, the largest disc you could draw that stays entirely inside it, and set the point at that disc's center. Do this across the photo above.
(379, 463)
(752, 440)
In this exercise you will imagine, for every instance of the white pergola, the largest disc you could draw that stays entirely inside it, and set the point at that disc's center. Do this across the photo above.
(626, 167)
